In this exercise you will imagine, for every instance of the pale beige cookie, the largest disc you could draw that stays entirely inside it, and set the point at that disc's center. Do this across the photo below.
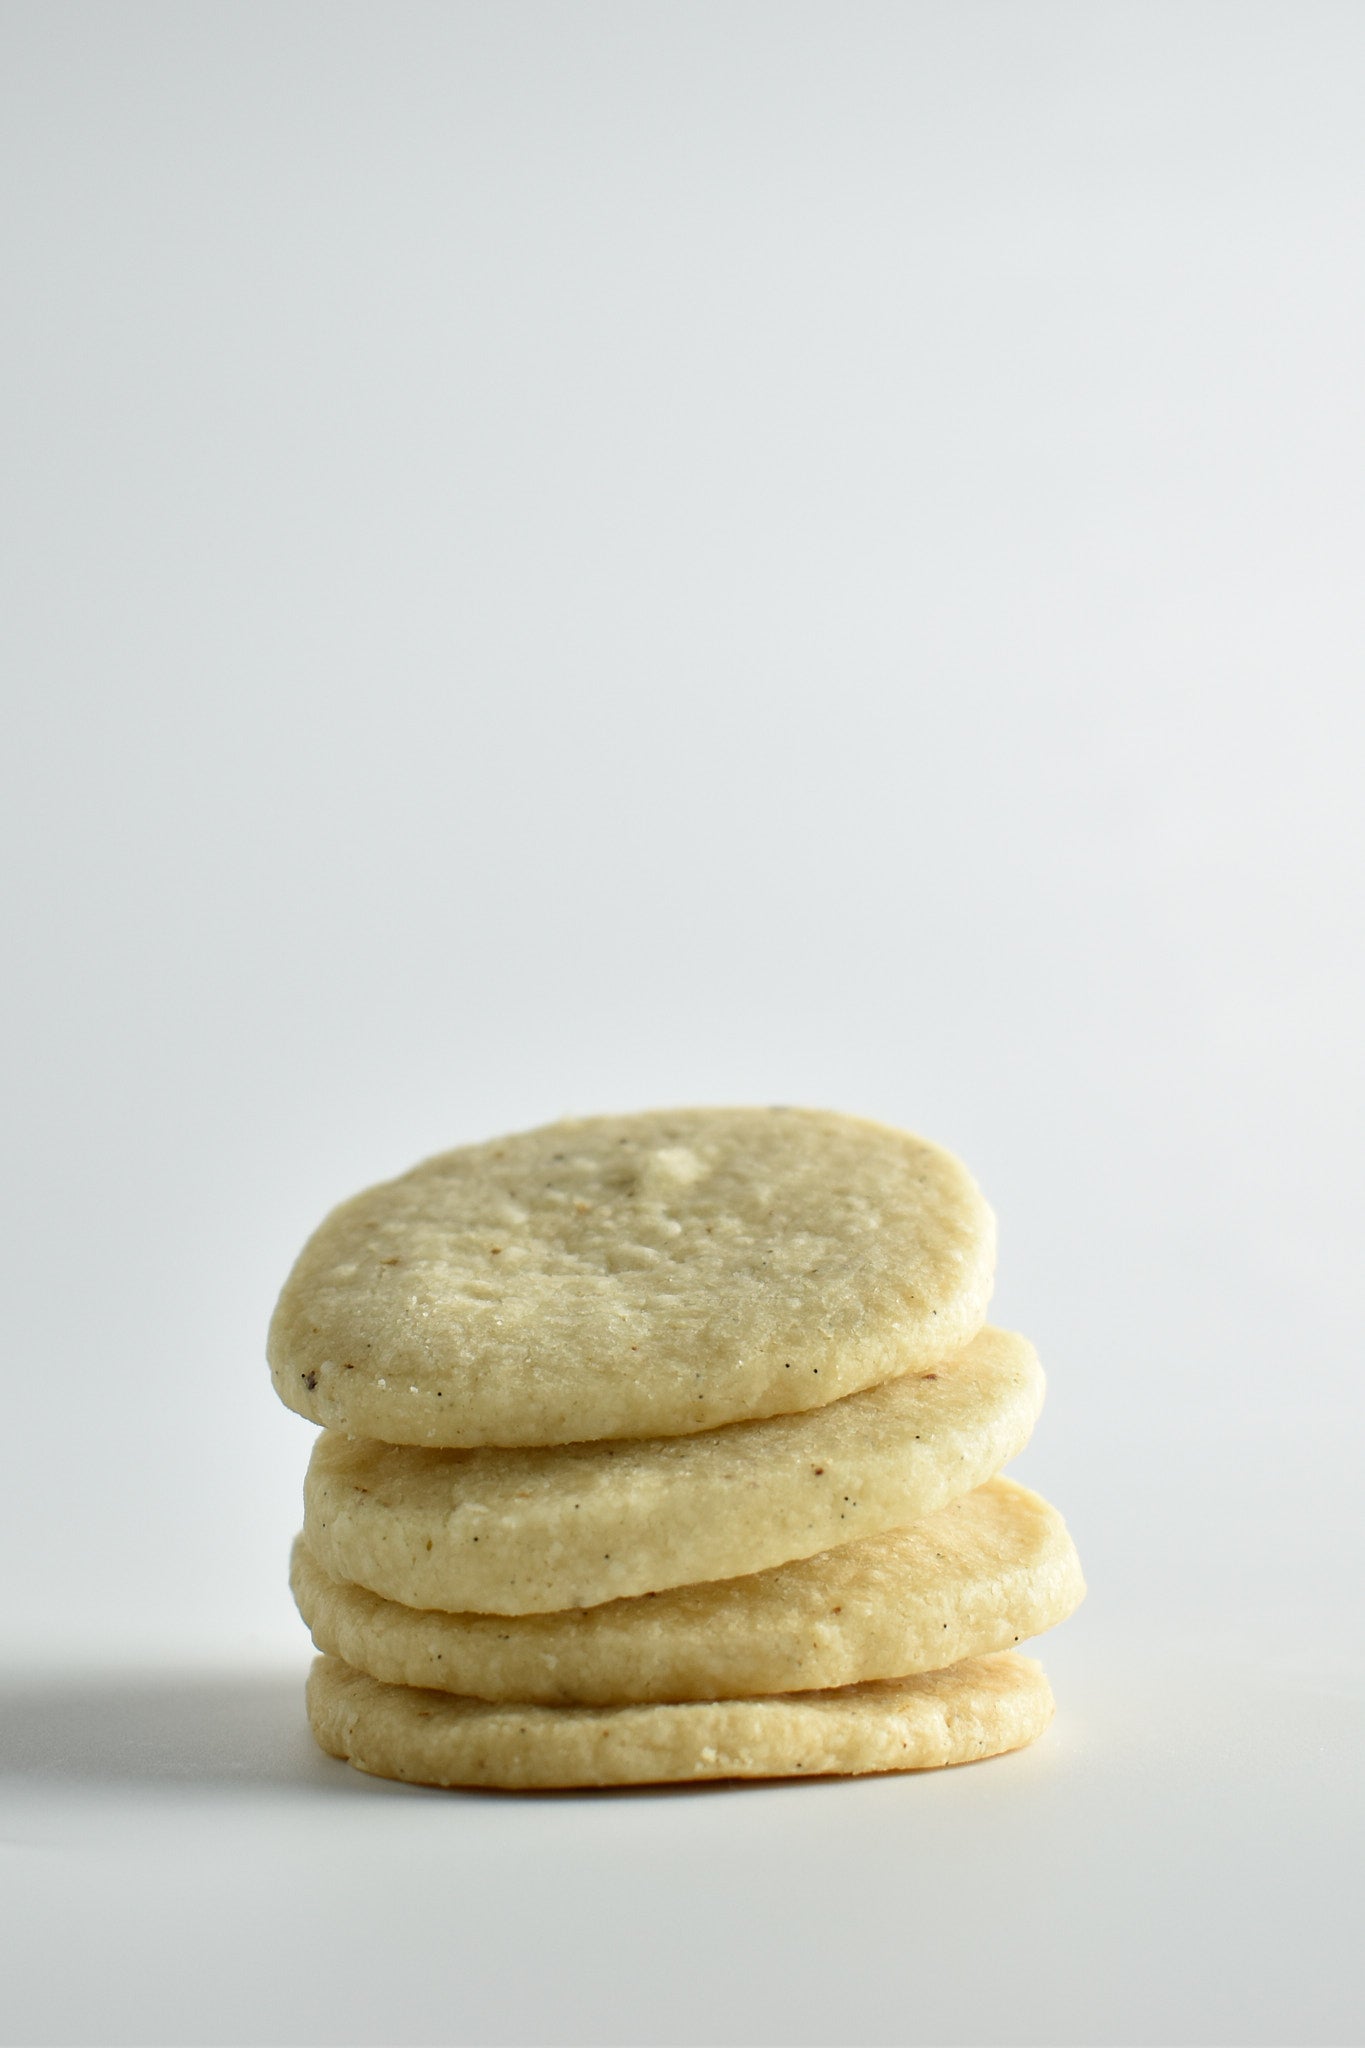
(982, 1574)
(626, 1276)
(972, 1710)
(536, 1531)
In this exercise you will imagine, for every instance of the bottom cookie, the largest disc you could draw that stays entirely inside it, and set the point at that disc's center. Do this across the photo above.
(978, 1708)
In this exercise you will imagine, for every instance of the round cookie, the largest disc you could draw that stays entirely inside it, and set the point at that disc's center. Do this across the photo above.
(980, 1575)
(627, 1276)
(976, 1709)
(536, 1531)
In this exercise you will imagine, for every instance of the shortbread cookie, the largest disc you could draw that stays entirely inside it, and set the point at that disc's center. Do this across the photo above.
(983, 1574)
(536, 1531)
(972, 1710)
(631, 1276)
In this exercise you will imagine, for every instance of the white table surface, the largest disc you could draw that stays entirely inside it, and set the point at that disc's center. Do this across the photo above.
(1177, 1861)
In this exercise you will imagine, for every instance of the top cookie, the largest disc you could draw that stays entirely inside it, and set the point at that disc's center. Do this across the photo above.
(646, 1275)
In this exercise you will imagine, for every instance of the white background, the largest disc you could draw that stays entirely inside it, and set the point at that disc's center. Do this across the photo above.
(572, 556)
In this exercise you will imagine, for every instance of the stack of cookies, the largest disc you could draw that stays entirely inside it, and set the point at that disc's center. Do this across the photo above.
(666, 1447)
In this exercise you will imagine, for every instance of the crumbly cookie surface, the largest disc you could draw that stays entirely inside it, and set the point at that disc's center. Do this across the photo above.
(648, 1275)
(975, 1709)
(983, 1574)
(536, 1531)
